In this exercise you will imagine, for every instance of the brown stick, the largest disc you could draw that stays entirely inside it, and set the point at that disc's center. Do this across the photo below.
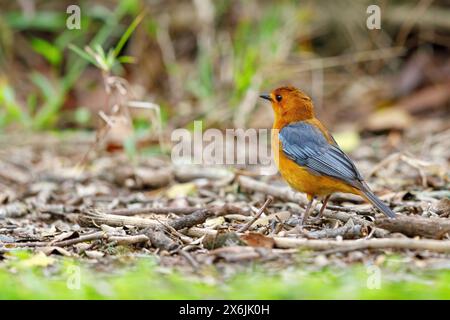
(153, 230)
(160, 240)
(411, 226)
(218, 210)
(228, 208)
(86, 237)
(100, 235)
(153, 227)
(256, 217)
(347, 245)
(141, 177)
(344, 217)
(127, 240)
(348, 231)
(96, 218)
(189, 258)
(164, 210)
(191, 220)
(388, 243)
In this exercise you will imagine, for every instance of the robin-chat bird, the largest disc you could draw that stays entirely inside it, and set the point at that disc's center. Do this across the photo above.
(307, 155)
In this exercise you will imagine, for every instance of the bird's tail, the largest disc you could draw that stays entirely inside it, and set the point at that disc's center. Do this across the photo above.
(373, 199)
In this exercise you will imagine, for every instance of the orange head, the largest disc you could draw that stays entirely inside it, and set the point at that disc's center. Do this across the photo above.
(289, 105)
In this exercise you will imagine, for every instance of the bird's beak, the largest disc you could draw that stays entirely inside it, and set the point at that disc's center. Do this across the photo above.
(266, 96)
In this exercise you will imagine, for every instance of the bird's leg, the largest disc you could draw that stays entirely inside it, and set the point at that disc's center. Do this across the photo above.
(298, 228)
(324, 205)
(307, 211)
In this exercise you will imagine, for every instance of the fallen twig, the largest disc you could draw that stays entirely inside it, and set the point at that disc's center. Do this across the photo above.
(192, 219)
(256, 217)
(387, 243)
(160, 240)
(100, 235)
(344, 217)
(95, 217)
(218, 210)
(415, 163)
(140, 177)
(86, 237)
(348, 231)
(348, 245)
(189, 258)
(153, 228)
(416, 226)
(164, 210)
(127, 240)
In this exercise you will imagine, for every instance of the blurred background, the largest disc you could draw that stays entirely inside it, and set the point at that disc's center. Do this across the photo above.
(209, 60)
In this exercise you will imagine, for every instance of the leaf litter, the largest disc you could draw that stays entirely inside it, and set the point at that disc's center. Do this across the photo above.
(195, 217)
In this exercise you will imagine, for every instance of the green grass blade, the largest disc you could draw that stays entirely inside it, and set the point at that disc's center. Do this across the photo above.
(83, 54)
(127, 34)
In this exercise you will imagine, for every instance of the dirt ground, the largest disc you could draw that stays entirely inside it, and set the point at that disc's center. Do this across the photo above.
(55, 202)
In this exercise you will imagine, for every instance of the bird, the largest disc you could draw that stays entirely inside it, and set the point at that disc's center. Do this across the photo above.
(307, 155)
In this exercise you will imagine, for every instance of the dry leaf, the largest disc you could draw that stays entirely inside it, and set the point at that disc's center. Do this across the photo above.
(392, 118)
(236, 253)
(181, 190)
(117, 231)
(348, 140)
(146, 177)
(81, 247)
(222, 239)
(431, 97)
(254, 239)
(66, 236)
(55, 250)
(264, 221)
(213, 223)
(49, 232)
(39, 260)
(120, 129)
(94, 254)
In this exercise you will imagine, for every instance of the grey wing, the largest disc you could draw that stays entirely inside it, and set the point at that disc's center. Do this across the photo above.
(308, 147)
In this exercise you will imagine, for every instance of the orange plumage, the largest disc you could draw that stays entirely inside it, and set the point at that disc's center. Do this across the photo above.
(307, 155)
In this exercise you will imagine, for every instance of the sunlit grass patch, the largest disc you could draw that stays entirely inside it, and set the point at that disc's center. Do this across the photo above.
(36, 276)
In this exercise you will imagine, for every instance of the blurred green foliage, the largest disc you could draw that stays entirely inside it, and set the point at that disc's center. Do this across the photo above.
(106, 61)
(254, 41)
(42, 106)
(34, 281)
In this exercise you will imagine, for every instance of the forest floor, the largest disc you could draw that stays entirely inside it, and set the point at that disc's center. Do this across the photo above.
(198, 232)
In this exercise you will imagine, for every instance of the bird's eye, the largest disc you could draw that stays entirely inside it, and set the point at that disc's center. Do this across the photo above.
(278, 97)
